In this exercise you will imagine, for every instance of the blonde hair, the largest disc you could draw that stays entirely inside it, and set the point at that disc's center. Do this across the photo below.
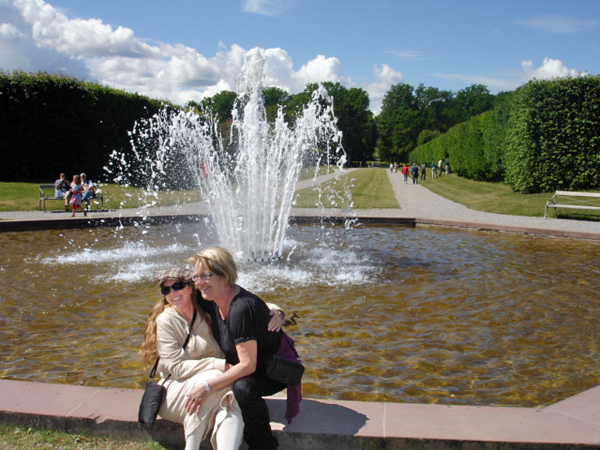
(148, 348)
(219, 261)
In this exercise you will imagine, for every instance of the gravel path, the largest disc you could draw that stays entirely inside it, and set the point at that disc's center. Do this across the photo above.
(415, 201)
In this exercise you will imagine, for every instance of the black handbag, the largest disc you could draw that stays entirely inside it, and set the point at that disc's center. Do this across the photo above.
(284, 370)
(155, 393)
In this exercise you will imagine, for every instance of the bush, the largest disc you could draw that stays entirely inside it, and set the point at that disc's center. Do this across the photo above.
(54, 123)
(554, 140)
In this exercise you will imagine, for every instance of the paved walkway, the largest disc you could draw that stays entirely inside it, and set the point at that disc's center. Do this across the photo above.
(417, 203)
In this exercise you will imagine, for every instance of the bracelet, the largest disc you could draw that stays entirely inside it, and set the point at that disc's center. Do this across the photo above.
(207, 386)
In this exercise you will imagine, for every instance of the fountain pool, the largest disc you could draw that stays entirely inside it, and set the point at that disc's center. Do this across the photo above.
(397, 314)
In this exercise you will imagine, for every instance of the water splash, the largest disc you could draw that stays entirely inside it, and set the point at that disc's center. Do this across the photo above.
(248, 181)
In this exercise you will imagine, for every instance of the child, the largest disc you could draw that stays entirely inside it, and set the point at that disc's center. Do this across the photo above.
(77, 195)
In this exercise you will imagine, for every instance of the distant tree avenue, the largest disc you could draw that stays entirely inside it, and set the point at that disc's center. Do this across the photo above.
(54, 123)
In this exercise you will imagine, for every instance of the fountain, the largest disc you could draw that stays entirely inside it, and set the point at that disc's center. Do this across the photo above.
(399, 314)
(249, 182)
(402, 314)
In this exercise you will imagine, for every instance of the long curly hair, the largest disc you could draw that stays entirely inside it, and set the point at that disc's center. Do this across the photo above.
(148, 348)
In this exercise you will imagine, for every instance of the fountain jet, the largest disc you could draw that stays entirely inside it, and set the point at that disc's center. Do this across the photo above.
(248, 181)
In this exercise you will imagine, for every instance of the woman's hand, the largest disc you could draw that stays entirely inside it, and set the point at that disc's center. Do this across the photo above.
(276, 322)
(195, 399)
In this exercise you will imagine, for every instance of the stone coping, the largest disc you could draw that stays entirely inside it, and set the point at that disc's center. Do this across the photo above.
(128, 220)
(573, 423)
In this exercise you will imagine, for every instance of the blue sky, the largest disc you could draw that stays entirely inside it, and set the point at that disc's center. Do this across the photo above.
(185, 49)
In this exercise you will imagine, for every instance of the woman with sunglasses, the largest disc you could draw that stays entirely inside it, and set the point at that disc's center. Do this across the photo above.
(169, 323)
(241, 325)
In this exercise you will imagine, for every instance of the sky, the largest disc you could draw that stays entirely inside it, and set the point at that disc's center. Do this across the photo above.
(182, 50)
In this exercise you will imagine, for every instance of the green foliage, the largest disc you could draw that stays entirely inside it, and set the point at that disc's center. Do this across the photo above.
(53, 123)
(474, 148)
(409, 117)
(554, 139)
(221, 104)
(541, 138)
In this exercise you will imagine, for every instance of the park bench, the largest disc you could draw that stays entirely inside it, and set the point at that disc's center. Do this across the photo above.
(553, 202)
(47, 193)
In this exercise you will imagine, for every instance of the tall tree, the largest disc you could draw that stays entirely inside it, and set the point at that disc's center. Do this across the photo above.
(274, 98)
(221, 104)
(435, 106)
(351, 108)
(472, 101)
(399, 123)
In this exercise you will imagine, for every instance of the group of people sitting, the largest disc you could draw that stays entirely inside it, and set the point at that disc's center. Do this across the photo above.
(76, 193)
(216, 378)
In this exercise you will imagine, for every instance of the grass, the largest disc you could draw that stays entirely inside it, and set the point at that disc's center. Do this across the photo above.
(499, 198)
(24, 197)
(369, 188)
(489, 197)
(15, 437)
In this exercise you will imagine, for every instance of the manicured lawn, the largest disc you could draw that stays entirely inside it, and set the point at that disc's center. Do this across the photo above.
(369, 188)
(25, 197)
(499, 198)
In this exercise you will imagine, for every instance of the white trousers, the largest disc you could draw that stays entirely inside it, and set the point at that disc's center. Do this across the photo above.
(220, 414)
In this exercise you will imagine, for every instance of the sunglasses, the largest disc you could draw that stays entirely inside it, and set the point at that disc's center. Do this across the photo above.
(177, 286)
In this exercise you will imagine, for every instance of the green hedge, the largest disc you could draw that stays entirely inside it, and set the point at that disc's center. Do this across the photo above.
(54, 123)
(473, 148)
(554, 139)
(543, 137)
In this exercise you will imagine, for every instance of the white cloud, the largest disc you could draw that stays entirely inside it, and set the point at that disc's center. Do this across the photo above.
(266, 7)
(495, 84)
(320, 69)
(9, 31)
(35, 36)
(115, 57)
(550, 68)
(386, 77)
(559, 24)
(77, 37)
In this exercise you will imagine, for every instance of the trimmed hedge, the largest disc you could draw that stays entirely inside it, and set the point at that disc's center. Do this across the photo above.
(473, 148)
(554, 139)
(54, 123)
(543, 137)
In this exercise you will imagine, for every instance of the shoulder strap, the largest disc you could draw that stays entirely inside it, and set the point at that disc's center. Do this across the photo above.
(185, 343)
(187, 339)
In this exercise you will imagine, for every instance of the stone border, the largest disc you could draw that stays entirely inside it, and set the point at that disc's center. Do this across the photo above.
(113, 221)
(573, 423)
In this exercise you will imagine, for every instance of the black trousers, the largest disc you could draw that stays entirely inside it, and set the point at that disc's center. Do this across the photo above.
(249, 392)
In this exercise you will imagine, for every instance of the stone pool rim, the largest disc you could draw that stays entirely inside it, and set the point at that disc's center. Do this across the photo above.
(50, 223)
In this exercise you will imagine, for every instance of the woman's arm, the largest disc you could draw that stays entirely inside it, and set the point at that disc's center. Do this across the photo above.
(247, 354)
(170, 337)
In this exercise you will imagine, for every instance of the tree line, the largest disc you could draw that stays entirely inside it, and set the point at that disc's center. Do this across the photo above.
(409, 117)
(545, 136)
(52, 123)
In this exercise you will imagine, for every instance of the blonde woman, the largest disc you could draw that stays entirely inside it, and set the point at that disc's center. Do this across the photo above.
(241, 321)
(167, 328)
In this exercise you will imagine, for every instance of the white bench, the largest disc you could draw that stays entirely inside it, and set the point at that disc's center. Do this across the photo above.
(553, 201)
